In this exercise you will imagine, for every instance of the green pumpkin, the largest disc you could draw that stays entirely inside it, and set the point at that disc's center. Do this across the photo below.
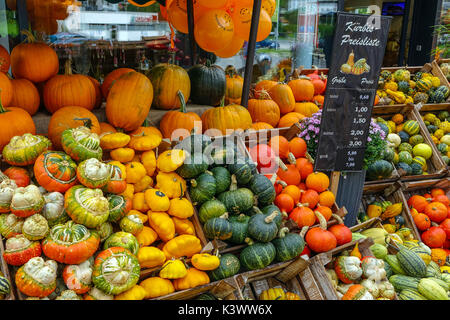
(257, 255)
(206, 296)
(243, 170)
(411, 127)
(239, 227)
(424, 85)
(193, 166)
(404, 137)
(253, 210)
(221, 156)
(211, 209)
(218, 228)
(208, 84)
(416, 169)
(386, 75)
(81, 144)
(228, 267)
(420, 97)
(288, 245)
(388, 154)
(437, 97)
(404, 146)
(379, 169)
(203, 188)
(263, 189)
(404, 168)
(421, 161)
(263, 228)
(443, 115)
(237, 200)
(271, 208)
(195, 143)
(119, 206)
(432, 128)
(442, 147)
(405, 156)
(446, 160)
(415, 139)
(122, 239)
(223, 179)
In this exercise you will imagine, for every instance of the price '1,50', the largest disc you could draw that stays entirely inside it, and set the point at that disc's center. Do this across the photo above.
(359, 120)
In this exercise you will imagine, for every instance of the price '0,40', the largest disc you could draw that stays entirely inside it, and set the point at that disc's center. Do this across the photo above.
(359, 121)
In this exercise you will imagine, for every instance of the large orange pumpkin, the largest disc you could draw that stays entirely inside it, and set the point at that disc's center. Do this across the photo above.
(25, 95)
(231, 117)
(290, 119)
(67, 118)
(5, 61)
(283, 96)
(264, 109)
(214, 30)
(302, 88)
(129, 101)
(14, 122)
(69, 90)
(35, 61)
(110, 78)
(306, 108)
(98, 92)
(235, 83)
(174, 120)
(6, 90)
(262, 86)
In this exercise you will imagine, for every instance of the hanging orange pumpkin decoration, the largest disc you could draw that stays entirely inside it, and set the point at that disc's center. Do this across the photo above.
(214, 30)
(242, 17)
(232, 49)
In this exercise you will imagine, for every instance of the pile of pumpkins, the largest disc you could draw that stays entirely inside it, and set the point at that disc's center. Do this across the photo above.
(438, 125)
(406, 145)
(402, 87)
(83, 214)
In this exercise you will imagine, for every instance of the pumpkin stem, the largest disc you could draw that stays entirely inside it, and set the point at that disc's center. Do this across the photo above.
(283, 231)
(29, 36)
(233, 185)
(182, 101)
(291, 158)
(283, 184)
(281, 164)
(273, 178)
(304, 231)
(322, 220)
(222, 102)
(269, 218)
(224, 216)
(68, 67)
(194, 183)
(310, 159)
(208, 63)
(249, 241)
(263, 94)
(230, 71)
(86, 122)
(257, 210)
(338, 218)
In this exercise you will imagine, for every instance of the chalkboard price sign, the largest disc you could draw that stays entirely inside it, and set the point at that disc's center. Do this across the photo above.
(358, 51)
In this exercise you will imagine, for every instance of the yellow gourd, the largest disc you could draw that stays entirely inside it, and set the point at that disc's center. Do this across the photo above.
(156, 200)
(162, 224)
(355, 252)
(171, 184)
(122, 154)
(351, 59)
(115, 140)
(148, 160)
(193, 278)
(135, 172)
(392, 211)
(183, 226)
(170, 160)
(173, 269)
(150, 257)
(205, 261)
(147, 236)
(144, 142)
(374, 211)
(157, 287)
(398, 96)
(129, 191)
(391, 85)
(181, 208)
(144, 184)
(273, 294)
(139, 203)
(135, 293)
(183, 245)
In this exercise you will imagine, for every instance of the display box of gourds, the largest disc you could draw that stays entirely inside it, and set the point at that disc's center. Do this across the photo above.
(387, 202)
(407, 137)
(441, 67)
(435, 119)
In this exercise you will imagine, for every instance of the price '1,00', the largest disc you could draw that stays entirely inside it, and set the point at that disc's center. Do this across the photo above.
(361, 109)
(360, 120)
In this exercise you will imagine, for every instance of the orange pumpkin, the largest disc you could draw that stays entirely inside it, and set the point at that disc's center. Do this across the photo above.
(289, 119)
(111, 77)
(69, 90)
(310, 197)
(318, 181)
(177, 14)
(294, 192)
(291, 175)
(280, 145)
(256, 126)
(67, 118)
(283, 96)
(5, 60)
(35, 61)
(303, 216)
(319, 239)
(264, 109)
(298, 147)
(231, 117)
(14, 122)
(25, 96)
(106, 127)
(327, 198)
(174, 120)
(129, 101)
(302, 88)
(305, 167)
(231, 49)
(242, 15)
(234, 86)
(98, 92)
(319, 100)
(306, 108)
(6, 90)
(422, 221)
(263, 86)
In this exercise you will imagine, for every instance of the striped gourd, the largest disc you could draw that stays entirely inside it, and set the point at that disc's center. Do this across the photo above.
(437, 97)
(412, 263)
(408, 294)
(421, 97)
(433, 270)
(411, 127)
(444, 90)
(401, 282)
(446, 277)
(5, 286)
(218, 228)
(424, 85)
(431, 290)
(257, 255)
(392, 260)
(440, 282)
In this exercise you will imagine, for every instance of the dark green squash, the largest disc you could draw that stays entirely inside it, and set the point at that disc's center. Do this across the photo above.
(221, 156)
(243, 169)
(268, 210)
(239, 226)
(237, 200)
(253, 210)
(288, 245)
(416, 169)
(263, 189)
(218, 228)
(379, 169)
(263, 228)
(208, 84)
(257, 255)
(206, 296)
(404, 169)
(211, 209)
(195, 143)
(193, 166)
(404, 137)
(229, 266)
(223, 179)
(203, 188)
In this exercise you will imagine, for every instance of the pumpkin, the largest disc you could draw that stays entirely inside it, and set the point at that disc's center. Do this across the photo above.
(418, 202)
(134, 172)
(434, 237)
(263, 86)
(25, 96)
(70, 243)
(171, 184)
(20, 176)
(288, 245)
(131, 223)
(34, 61)
(69, 90)
(6, 90)
(24, 150)
(436, 211)
(183, 226)
(27, 201)
(170, 160)
(122, 239)
(37, 278)
(19, 250)
(283, 96)
(289, 119)
(157, 287)
(77, 277)
(86, 206)
(303, 216)
(81, 144)
(35, 227)
(106, 128)
(117, 182)
(14, 122)
(135, 293)
(98, 92)
(173, 269)
(181, 208)
(289, 174)
(150, 257)
(302, 88)
(234, 84)
(294, 191)
(55, 171)
(139, 202)
(225, 119)
(116, 270)
(182, 245)
(53, 209)
(263, 228)
(264, 109)
(257, 255)
(129, 101)
(175, 121)
(205, 261)
(111, 78)
(7, 189)
(306, 108)
(169, 82)
(162, 224)
(318, 181)
(193, 278)
(208, 84)
(5, 60)
(96, 294)
(218, 228)
(10, 225)
(237, 200)
(146, 237)
(319, 239)
(228, 267)
(342, 233)
(145, 138)
(93, 173)
(114, 140)
(280, 145)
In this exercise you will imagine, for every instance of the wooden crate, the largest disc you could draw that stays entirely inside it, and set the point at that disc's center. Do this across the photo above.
(437, 71)
(320, 262)
(436, 166)
(300, 282)
(425, 186)
(393, 193)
